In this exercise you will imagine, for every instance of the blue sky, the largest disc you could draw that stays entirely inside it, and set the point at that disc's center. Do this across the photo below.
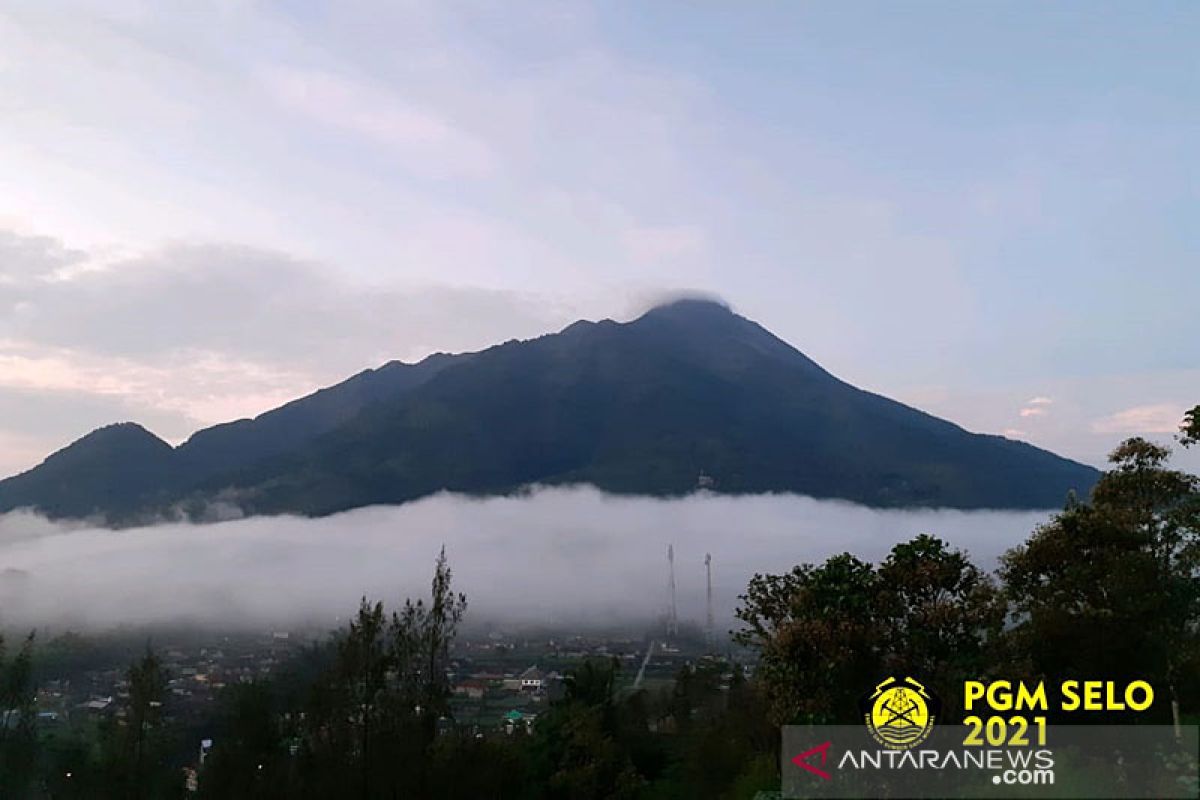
(987, 210)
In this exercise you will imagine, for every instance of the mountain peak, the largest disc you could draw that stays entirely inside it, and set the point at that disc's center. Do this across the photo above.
(691, 308)
(688, 388)
(112, 441)
(114, 468)
(117, 436)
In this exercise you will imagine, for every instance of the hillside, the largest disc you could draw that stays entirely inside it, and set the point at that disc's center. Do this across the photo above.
(641, 407)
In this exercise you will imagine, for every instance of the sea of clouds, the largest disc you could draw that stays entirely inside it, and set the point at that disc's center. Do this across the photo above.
(552, 556)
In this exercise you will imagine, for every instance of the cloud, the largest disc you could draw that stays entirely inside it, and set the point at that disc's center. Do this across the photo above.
(555, 555)
(254, 302)
(1155, 418)
(212, 387)
(35, 422)
(220, 331)
(316, 134)
(1036, 407)
(1015, 433)
(28, 258)
(426, 141)
(187, 335)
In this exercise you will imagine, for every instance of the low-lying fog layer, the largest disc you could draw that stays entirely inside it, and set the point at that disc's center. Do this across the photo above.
(553, 556)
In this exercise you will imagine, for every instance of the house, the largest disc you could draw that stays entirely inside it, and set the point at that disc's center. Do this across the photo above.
(472, 688)
(518, 722)
(531, 680)
(96, 704)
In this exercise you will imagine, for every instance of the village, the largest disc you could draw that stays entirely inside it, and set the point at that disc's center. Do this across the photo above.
(500, 681)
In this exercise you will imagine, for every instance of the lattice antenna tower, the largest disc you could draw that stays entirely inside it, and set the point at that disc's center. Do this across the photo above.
(672, 615)
(710, 633)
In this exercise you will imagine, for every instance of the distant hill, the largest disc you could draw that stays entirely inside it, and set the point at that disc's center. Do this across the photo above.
(645, 407)
(121, 471)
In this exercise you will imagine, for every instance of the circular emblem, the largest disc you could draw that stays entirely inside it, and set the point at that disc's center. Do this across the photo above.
(900, 714)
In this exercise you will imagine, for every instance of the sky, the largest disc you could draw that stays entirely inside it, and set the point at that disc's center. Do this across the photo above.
(986, 210)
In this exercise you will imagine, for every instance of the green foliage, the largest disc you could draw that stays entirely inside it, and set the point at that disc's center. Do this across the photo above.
(941, 616)
(464, 767)
(578, 752)
(253, 759)
(364, 724)
(141, 746)
(825, 634)
(1189, 430)
(723, 736)
(1109, 588)
(1112, 589)
(818, 637)
(17, 719)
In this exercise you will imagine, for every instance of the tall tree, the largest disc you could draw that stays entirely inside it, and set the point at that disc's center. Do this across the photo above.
(818, 635)
(827, 634)
(939, 613)
(18, 735)
(371, 718)
(1112, 588)
(147, 678)
(446, 610)
(1189, 430)
(579, 750)
(249, 757)
(362, 667)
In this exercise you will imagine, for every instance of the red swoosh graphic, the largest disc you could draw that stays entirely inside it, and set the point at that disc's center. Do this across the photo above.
(801, 760)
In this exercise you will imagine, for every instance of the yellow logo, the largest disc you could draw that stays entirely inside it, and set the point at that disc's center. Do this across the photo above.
(900, 714)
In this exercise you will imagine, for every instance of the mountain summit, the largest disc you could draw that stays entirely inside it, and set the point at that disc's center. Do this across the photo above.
(689, 394)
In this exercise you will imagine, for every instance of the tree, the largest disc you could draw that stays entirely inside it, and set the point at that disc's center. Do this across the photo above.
(147, 690)
(465, 767)
(818, 635)
(362, 666)
(420, 637)
(249, 758)
(1189, 431)
(939, 613)
(827, 634)
(579, 751)
(722, 731)
(697, 693)
(593, 683)
(134, 746)
(1111, 588)
(439, 626)
(18, 734)
(371, 718)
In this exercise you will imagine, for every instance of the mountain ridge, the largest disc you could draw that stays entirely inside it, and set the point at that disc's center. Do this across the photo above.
(640, 407)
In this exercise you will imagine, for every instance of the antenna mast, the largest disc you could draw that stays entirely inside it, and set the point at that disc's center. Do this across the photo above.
(672, 617)
(711, 635)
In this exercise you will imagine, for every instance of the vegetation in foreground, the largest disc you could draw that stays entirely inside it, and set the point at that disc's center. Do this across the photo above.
(1108, 589)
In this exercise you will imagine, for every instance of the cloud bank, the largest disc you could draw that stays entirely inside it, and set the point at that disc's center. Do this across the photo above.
(555, 556)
